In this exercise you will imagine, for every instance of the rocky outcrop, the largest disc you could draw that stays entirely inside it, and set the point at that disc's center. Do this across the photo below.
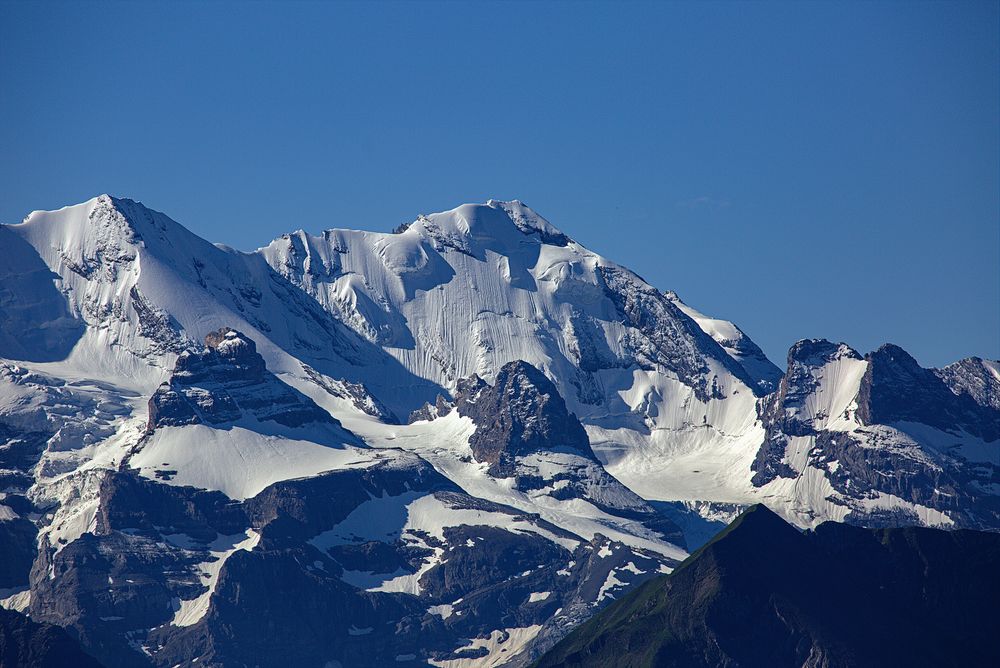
(225, 382)
(781, 412)
(524, 431)
(519, 414)
(896, 388)
(975, 377)
(171, 574)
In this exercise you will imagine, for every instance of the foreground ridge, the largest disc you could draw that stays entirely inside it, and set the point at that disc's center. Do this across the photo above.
(764, 594)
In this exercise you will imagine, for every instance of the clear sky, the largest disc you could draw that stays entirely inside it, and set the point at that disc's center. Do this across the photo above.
(804, 169)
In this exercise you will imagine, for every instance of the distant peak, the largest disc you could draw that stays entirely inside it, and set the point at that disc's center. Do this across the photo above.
(816, 352)
(892, 352)
(494, 219)
(119, 216)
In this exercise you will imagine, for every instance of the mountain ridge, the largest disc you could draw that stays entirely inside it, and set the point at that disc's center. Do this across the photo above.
(898, 600)
(572, 430)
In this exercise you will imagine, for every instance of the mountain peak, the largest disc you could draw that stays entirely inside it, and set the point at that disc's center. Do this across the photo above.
(894, 353)
(896, 388)
(522, 412)
(816, 352)
(103, 223)
(759, 518)
(469, 226)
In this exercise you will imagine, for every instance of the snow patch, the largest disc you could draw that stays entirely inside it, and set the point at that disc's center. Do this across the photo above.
(189, 612)
(502, 646)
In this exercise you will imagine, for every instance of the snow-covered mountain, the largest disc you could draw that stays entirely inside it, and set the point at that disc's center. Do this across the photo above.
(452, 442)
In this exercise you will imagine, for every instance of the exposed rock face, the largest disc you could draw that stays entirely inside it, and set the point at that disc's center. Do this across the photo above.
(669, 338)
(737, 345)
(356, 393)
(896, 389)
(519, 414)
(882, 427)
(782, 412)
(928, 601)
(284, 577)
(975, 377)
(156, 325)
(225, 382)
(524, 431)
(530, 223)
(799, 382)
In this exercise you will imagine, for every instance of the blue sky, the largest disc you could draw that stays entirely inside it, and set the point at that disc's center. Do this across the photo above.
(804, 169)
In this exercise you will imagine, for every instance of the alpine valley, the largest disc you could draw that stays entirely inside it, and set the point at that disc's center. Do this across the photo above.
(444, 446)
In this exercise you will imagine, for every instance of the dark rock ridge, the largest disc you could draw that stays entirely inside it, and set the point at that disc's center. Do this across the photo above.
(975, 377)
(748, 354)
(356, 393)
(224, 382)
(521, 413)
(667, 338)
(763, 594)
(28, 644)
(896, 388)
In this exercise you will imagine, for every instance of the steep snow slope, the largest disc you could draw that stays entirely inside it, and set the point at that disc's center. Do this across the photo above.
(140, 288)
(466, 291)
(737, 344)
